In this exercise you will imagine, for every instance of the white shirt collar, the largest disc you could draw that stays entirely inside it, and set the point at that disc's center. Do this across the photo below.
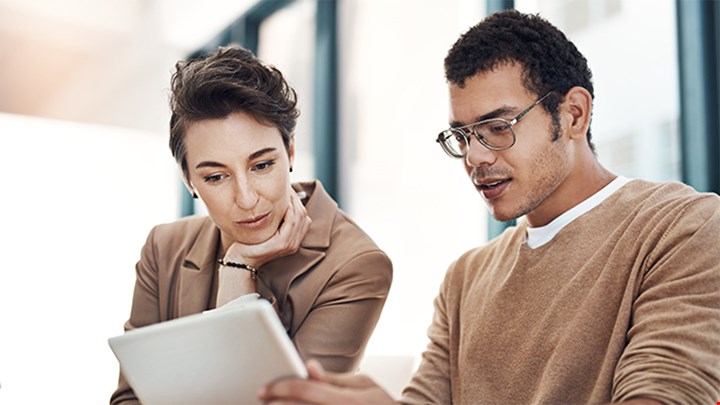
(539, 236)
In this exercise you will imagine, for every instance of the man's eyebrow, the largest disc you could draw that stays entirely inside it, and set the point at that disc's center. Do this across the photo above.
(498, 112)
(254, 155)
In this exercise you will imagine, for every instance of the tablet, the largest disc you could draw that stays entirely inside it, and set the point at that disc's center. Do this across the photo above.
(219, 357)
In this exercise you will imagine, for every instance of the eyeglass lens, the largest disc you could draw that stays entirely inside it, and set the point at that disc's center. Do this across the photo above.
(496, 134)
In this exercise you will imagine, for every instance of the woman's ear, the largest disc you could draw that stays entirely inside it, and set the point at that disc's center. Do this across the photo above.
(291, 151)
(190, 188)
(578, 103)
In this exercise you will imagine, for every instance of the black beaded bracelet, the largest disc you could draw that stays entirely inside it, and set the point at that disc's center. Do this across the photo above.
(243, 266)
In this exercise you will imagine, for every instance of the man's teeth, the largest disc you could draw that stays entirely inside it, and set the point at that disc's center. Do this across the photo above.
(492, 184)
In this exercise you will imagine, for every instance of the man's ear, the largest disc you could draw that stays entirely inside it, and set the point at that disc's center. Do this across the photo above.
(578, 104)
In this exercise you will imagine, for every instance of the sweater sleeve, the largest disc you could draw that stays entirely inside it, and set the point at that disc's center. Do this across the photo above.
(431, 382)
(673, 349)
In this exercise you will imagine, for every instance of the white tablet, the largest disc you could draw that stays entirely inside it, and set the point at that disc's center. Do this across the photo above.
(218, 357)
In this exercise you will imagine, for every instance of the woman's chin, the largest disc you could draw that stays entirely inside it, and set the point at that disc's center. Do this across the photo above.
(255, 238)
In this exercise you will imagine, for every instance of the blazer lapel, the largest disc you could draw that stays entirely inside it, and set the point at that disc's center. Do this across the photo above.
(286, 269)
(282, 272)
(195, 275)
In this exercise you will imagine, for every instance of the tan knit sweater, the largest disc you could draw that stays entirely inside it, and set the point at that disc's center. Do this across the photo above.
(624, 302)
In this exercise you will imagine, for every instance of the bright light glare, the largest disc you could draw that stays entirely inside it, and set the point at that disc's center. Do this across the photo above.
(78, 202)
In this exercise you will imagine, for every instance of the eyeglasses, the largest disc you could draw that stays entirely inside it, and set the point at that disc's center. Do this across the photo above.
(493, 133)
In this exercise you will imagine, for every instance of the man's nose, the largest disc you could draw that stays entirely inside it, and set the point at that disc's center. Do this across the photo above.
(478, 154)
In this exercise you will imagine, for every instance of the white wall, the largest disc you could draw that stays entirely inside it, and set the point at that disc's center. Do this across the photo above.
(78, 201)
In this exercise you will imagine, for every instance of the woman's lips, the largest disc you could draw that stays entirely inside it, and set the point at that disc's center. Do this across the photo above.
(256, 222)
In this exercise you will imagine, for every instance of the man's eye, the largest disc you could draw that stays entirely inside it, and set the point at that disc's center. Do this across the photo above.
(499, 127)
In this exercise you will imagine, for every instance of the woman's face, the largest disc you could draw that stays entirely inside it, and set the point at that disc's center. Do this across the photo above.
(240, 169)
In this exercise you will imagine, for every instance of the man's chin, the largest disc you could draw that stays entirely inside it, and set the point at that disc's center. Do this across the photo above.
(503, 216)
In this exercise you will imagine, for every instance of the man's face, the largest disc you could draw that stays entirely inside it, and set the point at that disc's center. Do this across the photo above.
(522, 180)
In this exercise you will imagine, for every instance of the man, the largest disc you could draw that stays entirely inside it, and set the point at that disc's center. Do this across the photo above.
(607, 290)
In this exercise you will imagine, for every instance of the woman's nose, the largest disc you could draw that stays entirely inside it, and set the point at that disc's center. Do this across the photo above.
(246, 196)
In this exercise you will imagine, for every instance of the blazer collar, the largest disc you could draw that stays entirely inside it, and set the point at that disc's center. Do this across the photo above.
(321, 208)
(196, 273)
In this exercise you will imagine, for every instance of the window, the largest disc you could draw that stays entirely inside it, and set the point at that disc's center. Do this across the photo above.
(635, 75)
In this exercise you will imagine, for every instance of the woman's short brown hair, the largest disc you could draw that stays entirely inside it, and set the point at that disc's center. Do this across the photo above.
(228, 81)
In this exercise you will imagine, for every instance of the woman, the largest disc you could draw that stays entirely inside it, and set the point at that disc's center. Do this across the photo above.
(231, 132)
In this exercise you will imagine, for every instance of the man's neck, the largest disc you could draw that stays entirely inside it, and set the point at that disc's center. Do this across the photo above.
(583, 181)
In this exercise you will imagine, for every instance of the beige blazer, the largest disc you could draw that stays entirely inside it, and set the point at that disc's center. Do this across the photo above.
(328, 295)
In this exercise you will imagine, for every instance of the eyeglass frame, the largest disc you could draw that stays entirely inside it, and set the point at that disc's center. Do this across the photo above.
(511, 124)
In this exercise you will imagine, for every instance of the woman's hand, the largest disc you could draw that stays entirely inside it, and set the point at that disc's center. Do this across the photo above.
(286, 241)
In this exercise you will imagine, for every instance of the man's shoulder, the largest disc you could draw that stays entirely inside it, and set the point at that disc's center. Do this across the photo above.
(667, 198)
(663, 192)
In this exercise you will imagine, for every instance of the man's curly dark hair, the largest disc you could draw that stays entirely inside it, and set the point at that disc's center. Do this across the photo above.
(231, 80)
(551, 61)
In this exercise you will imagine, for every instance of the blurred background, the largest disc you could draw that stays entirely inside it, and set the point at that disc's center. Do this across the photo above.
(86, 171)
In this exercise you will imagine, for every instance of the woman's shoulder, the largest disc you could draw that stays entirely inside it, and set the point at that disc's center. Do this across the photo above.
(186, 224)
(332, 229)
(183, 230)
(330, 221)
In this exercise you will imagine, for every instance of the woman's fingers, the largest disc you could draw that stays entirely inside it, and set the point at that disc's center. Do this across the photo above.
(286, 241)
(295, 226)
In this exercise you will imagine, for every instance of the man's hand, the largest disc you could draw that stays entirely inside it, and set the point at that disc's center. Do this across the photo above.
(322, 388)
(286, 241)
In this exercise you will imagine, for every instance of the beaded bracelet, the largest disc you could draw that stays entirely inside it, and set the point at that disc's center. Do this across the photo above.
(243, 266)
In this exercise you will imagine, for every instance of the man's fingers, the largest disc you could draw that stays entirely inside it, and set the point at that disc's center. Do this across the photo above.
(315, 370)
(351, 381)
(317, 373)
(294, 391)
(350, 389)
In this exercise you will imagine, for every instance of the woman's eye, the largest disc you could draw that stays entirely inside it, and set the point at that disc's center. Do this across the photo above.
(262, 166)
(213, 178)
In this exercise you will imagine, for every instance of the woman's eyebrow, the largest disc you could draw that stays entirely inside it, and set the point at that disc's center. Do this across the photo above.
(261, 152)
(209, 163)
(254, 155)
